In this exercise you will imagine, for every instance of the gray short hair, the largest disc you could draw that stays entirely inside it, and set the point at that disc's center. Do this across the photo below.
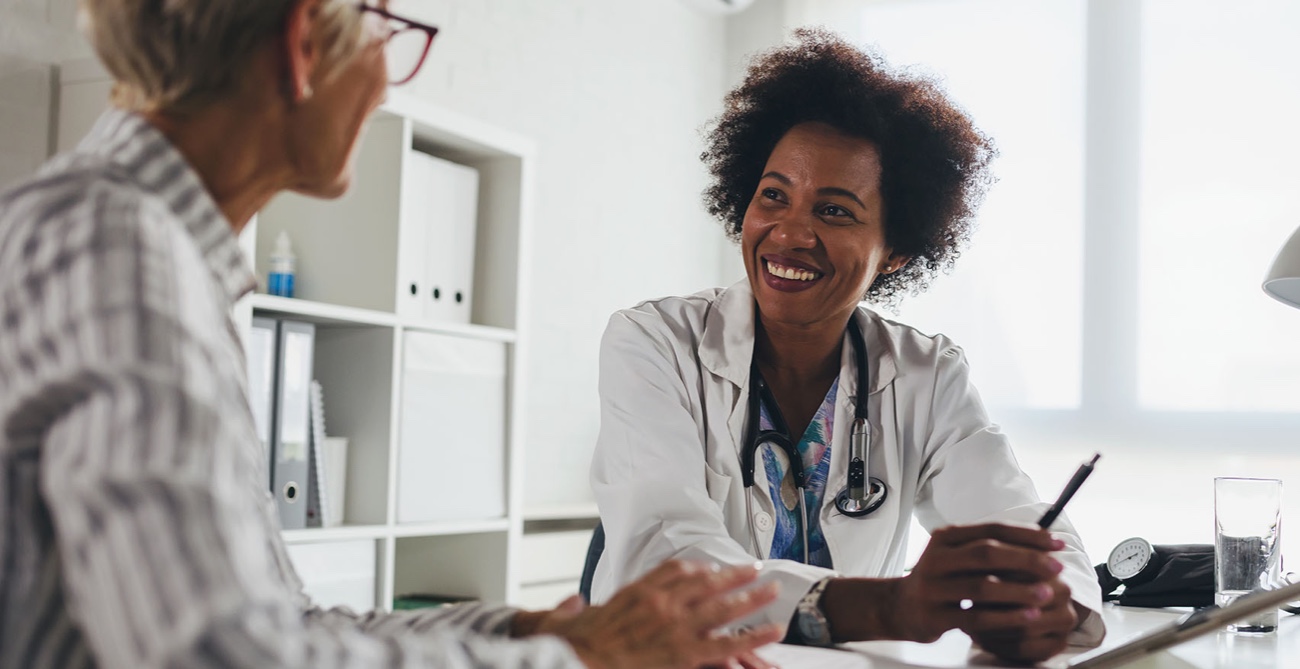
(175, 54)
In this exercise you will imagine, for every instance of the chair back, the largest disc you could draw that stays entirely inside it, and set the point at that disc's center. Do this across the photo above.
(594, 550)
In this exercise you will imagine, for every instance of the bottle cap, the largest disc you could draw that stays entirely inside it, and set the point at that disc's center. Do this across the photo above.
(282, 248)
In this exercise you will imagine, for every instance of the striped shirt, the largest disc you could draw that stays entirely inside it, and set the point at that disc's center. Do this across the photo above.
(135, 529)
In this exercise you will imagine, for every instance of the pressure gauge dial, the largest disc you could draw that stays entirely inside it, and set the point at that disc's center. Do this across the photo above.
(1130, 558)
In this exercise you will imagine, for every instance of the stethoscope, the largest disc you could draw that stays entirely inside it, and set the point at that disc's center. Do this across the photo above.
(861, 495)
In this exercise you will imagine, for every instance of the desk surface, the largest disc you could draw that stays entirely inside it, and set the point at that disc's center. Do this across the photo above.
(1221, 650)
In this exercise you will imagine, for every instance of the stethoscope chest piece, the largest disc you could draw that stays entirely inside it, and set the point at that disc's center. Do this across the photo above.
(849, 505)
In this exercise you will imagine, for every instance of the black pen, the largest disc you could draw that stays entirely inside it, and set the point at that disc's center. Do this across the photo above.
(1070, 488)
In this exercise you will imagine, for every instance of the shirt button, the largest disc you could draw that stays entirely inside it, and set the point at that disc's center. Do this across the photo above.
(763, 521)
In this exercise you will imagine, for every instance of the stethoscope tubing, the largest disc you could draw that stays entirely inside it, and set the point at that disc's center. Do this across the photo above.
(861, 495)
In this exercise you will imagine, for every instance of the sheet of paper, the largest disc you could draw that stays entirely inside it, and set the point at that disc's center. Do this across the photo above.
(795, 657)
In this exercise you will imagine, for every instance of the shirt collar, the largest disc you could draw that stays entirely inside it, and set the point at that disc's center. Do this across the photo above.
(147, 157)
(727, 345)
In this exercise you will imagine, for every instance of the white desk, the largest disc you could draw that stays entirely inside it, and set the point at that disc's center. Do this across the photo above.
(1212, 651)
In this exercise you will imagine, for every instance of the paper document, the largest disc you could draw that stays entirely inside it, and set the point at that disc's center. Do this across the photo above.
(792, 657)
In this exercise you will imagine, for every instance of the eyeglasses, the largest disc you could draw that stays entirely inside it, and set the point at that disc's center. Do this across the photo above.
(406, 45)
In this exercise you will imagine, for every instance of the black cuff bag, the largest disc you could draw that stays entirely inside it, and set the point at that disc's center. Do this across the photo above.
(1185, 577)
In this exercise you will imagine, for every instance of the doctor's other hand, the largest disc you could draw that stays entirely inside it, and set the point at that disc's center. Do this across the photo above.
(1038, 639)
(982, 579)
(667, 619)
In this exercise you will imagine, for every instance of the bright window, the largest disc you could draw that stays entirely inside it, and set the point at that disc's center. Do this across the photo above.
(1220, 193)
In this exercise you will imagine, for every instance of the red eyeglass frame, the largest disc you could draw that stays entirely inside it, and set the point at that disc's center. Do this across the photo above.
(429, 31)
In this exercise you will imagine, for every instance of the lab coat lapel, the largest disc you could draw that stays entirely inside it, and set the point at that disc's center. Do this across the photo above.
(882, 353)
(860, 540)
(726, 349)
(728, 342)
(880, 363)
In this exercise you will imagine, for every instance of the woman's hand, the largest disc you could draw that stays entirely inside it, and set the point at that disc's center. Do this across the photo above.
(1038, 639)
(746, 660)
(668, 618)
(985, 580)
(975, 578)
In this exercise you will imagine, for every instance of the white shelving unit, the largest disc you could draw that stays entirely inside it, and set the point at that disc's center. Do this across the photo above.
(574, 512)
(348, 286)
(555, 541)
(348, 261)
(344, 533)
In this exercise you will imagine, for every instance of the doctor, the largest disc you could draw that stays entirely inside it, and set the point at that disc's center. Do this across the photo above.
(729, 418)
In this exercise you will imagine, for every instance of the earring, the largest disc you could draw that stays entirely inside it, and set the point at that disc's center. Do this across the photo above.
(305, 93)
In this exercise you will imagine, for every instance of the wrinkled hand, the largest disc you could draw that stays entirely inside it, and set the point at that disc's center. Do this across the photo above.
(745, 660)
(667, 619)
(1004, 573)
(526, 623)
(1036, 639)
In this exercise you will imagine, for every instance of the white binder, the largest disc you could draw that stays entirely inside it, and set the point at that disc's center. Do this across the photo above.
(451, 459)
(441, 196)
(289, 459)
(261, 383)
(413, 237)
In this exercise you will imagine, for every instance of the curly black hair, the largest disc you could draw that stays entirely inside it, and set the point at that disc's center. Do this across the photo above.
(934, 162)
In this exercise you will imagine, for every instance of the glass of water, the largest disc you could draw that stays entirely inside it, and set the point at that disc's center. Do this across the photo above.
(1247, 544)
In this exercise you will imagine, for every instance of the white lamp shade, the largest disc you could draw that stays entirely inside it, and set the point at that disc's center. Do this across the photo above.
(1283, 281)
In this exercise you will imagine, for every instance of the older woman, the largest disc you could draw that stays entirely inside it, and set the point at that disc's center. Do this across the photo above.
(134, 530)
(778, 419)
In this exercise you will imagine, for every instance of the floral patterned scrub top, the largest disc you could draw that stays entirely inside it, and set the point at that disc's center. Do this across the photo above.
(814, 446)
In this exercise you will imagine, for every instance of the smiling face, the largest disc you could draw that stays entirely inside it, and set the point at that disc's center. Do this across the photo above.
(813, 236)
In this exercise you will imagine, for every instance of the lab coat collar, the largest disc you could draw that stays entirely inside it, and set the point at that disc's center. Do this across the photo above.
(728, 342)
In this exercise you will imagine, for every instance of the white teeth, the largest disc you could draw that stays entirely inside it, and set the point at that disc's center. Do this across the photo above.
(791, 273)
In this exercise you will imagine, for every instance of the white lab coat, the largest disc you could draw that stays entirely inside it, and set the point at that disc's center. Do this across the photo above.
(674, 382)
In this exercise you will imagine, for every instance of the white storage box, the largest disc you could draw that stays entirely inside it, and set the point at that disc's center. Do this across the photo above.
(549, 557)
(337, 573)
(451, 459)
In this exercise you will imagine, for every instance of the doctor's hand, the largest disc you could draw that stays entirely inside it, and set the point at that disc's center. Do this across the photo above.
(994, 582)
(669, 618)
(1038, 639)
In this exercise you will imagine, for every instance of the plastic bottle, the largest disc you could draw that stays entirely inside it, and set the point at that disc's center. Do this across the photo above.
(280, 280)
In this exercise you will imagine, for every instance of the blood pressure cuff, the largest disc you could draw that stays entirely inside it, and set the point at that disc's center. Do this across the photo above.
(1185, 578)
